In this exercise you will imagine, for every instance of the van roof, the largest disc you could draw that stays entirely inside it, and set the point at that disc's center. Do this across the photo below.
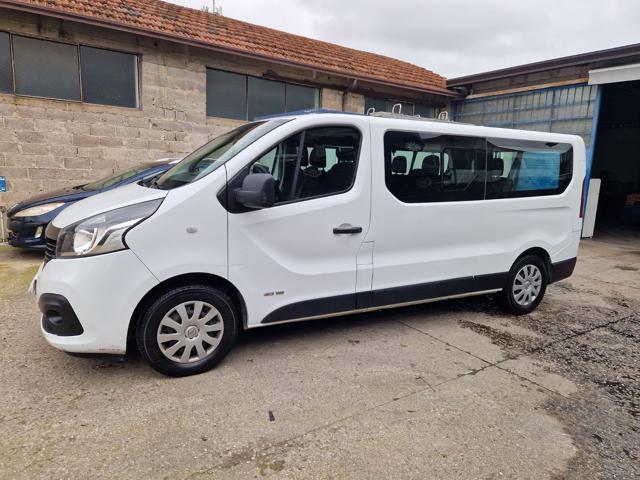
(441, 125)
(323, 111)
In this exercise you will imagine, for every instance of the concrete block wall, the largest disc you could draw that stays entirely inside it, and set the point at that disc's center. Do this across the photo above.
(48, 144)
(343, 101)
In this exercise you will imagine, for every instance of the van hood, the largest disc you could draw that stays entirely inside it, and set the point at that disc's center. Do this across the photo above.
(105, 201)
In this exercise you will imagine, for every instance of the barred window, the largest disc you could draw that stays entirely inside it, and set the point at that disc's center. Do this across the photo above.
(43, 68)
(6, 79)
(243, 97)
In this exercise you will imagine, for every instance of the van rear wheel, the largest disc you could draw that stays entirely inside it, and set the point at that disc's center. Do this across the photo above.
(526, 286)
(187, 330)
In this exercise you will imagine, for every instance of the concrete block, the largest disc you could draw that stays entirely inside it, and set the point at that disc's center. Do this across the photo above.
(58, 138)
(64, 150)
(127, 132)
(91, 152)
(58, 114)
(77, 162)
(102, 163)
(30, 137)
(20, 160)
(7, 135)
(9, 147)
(15, 172)
(35, 148)
(55, 174)
(103, 130)
(86, 140)
(11, 123)
(135, 143)
(110, 142)
(48, 161)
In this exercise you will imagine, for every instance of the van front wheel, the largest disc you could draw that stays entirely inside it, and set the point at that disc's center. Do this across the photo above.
(526, 286)
(188, 330)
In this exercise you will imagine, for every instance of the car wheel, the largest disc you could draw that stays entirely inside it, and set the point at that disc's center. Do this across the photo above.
(187, 330)
(526, 286)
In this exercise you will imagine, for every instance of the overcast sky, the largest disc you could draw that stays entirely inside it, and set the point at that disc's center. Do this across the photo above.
(451, 37)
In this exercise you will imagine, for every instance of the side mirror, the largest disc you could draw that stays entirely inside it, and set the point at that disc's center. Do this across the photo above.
(258, 191)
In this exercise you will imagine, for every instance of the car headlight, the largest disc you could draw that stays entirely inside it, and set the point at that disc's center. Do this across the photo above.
(103, 233)
(38, 210)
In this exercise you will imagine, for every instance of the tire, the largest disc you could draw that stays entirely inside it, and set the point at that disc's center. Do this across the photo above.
(197, 318)
(525, 287)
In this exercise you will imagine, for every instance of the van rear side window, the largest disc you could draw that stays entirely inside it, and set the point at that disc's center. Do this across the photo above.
(524, 169)
(434, 168)
(425, 168)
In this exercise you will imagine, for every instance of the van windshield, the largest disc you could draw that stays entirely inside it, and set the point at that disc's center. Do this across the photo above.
(214, 154)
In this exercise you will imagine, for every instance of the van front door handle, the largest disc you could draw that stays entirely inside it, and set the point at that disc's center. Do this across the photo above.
(346, 229)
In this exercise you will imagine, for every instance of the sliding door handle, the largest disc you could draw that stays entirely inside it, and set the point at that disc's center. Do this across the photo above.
(347, 229)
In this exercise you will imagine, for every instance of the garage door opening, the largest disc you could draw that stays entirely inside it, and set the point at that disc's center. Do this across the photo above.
(616, 161)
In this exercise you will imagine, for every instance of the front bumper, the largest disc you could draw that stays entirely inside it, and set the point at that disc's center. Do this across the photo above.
(101, 292)
(27, 232)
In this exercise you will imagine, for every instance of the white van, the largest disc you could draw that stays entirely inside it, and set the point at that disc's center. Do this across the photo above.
(311, 216)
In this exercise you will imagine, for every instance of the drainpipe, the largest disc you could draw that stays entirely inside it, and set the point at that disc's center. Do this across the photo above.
(3, 237)
(346, 91)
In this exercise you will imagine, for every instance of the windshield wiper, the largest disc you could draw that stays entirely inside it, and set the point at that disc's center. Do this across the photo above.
(151, 183)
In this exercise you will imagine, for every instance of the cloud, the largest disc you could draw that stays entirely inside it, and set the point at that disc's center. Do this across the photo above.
(451, 37)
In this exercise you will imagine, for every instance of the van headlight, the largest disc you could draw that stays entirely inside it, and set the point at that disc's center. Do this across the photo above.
(103, 233)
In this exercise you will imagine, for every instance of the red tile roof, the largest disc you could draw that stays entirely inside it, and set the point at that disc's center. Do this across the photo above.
(166, 20)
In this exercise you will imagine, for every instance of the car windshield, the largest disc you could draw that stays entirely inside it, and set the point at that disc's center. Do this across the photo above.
(114, 179)
(214, 154)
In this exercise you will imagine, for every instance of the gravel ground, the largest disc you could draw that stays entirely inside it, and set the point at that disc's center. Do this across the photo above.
(448, 390)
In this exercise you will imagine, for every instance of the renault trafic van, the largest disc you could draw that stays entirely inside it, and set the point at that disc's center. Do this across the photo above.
(305, 217)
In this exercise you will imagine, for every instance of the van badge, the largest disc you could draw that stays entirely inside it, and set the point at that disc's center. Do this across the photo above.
(192, 229)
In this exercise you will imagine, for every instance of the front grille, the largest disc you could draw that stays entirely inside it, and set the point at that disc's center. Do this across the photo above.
(50, 249)
(51, 235)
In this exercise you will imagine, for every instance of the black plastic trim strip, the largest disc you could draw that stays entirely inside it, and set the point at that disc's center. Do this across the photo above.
(312, 308)
(562, 270)
(442, 288)
(388, 296)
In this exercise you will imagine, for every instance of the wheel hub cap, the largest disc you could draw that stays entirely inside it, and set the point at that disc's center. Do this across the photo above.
(190, 331)
(527, 285)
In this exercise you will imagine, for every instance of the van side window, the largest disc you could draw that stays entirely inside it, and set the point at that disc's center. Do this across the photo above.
(526, 168)
(420, 167)
(280, 162)
(314, 163)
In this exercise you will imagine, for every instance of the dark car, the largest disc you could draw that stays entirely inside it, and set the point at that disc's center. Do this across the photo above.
(29, 218)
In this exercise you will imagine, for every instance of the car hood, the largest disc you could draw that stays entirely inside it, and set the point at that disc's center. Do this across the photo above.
(69, 194)
(105, 201)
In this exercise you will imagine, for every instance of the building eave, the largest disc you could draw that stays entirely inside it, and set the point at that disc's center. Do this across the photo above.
(113, 25)
(545, 65)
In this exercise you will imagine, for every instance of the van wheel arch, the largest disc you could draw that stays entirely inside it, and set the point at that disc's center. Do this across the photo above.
(190, 278)
(523, 292)
(542, 254)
